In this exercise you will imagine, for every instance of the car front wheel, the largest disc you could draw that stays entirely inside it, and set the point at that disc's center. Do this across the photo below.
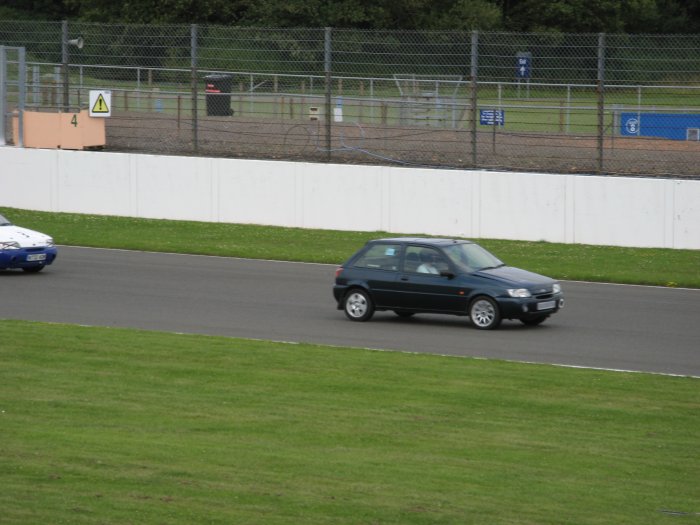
(358, 305)
(484, 313)
(33, 269)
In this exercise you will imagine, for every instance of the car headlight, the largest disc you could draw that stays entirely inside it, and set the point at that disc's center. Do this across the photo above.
(9, 245)
(556, 288)
(519, 292)
(50, 243)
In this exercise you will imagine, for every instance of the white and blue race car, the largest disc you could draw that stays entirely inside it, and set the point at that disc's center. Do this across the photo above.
(26, 249)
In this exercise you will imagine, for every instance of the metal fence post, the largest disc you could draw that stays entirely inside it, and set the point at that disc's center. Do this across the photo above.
(36, 84)
(601, 99)
(193, 85)
(64, 56)
(3, 92)
(22, 93)
(327, 68)
(474, 77)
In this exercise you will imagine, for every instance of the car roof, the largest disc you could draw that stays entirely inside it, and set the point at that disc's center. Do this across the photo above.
(423, 240)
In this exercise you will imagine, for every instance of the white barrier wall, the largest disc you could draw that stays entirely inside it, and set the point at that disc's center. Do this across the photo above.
(616, 211)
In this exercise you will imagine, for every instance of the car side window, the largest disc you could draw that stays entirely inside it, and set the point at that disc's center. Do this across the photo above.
(380, 257)
(424, 260)
(412, 260)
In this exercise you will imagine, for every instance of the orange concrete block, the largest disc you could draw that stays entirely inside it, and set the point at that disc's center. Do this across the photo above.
(60, 130)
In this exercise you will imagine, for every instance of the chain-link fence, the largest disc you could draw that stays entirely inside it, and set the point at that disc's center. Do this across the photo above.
(591, 103)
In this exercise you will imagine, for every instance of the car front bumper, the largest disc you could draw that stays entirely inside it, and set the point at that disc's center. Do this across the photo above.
(530, 307)
(27, 257)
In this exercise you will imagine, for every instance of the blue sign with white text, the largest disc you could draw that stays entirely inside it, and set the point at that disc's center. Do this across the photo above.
(491, 117)
(523, 66)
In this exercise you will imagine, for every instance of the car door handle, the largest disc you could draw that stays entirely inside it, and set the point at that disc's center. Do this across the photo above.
(404, 278)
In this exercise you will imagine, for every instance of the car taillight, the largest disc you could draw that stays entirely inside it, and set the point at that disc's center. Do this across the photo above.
(338, 271)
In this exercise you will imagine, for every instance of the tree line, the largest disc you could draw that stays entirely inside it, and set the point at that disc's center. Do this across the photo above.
(566, 16)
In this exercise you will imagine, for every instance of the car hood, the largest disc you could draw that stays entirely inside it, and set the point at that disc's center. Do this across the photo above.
(515, 277)
(26, 238)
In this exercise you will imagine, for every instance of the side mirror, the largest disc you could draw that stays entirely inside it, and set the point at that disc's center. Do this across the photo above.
(448, 274)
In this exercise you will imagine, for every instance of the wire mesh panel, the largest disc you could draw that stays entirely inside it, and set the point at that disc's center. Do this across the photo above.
(652, 103)
(148, 70)
(590, 103)
(411, 93)
(42, 40)
(272, 78)
(545, 87)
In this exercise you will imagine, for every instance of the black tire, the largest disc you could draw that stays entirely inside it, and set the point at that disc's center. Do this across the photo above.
(534, 321)
(358, 305)
(403, 313)
(484, 313)
(33, 269)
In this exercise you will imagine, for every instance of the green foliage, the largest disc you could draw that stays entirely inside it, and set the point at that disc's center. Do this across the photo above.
(575, 16)
(41, 39)
(386, 14)
(611, 16)
(469, 14)
(158, 11)
(132, 45)
(33, 9)
(9, 13)
(567, 16)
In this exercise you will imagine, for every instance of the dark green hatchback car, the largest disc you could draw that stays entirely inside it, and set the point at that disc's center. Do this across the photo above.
(442, 276)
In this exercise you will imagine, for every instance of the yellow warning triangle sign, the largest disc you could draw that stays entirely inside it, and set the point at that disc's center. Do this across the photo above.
(100, 105)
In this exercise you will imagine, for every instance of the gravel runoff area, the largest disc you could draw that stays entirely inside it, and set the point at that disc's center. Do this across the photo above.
(299, 139)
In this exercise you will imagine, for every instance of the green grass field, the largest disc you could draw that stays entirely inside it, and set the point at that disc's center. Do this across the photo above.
(662, 267)
(115, 426)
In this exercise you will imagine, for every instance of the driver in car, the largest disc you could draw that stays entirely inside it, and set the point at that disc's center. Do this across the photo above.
(429, 263)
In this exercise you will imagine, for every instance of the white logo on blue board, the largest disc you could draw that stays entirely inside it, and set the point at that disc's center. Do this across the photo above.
(632, 126)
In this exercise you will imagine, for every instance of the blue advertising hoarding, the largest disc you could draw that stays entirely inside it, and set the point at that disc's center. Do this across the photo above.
(674, 126)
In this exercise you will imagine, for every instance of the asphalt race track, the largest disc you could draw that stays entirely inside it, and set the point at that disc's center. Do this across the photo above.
(602, 326)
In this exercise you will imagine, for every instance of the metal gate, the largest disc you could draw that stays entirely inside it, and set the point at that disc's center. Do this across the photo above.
(13, 82)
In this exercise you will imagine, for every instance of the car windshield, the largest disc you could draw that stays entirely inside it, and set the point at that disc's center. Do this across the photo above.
(4, 221)
(471, 257)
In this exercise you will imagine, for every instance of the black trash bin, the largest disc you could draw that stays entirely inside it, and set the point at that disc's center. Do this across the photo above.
(218, 94)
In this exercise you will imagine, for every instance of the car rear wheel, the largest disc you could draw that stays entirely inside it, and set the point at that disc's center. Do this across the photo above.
(404, 313)
(534, 321)
(358, 305)
(484, 313)
(33, 269)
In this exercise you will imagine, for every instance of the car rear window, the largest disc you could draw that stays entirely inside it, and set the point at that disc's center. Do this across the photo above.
(381, 257)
